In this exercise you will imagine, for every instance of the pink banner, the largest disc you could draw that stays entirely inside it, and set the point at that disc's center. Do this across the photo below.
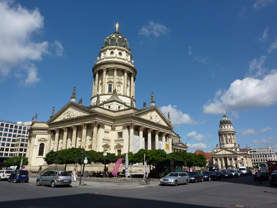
(116, 166)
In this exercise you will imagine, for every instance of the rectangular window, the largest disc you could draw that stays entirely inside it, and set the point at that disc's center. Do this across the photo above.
(15, 126)
(2, 124)
(10, 130)
(22, 140)
(118, 152)
(7, 125)
(119, 135)
(1, 128)
(20, 127)
(11, 126)
(110, 88)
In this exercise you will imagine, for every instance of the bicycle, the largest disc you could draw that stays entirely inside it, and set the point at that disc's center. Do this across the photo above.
(144, 181)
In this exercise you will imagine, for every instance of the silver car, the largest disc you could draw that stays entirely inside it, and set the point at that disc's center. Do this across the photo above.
(54, 178)
(175, 178)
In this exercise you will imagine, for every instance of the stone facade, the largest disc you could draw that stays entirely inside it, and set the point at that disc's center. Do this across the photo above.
(229, 154)
(111, 123)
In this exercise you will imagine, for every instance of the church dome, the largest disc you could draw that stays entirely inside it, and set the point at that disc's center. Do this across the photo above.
(225, 120)
(116, 39)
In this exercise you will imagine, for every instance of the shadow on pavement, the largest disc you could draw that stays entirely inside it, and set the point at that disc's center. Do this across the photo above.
(92, 200)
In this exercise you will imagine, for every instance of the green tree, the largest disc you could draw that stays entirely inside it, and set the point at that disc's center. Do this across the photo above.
(15, 161)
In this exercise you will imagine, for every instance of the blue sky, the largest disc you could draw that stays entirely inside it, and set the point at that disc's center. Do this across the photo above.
(198, 57)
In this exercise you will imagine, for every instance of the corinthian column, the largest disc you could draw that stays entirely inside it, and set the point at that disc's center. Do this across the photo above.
(125, 83)
(114, 78)
(100, 138)
(163, 140)
(125, 139)
(84, 135)
(140, 138)
(170, 144)
(149, 143)
(156, 140)
(95, 89)
(56, 143)
(94, 137)
(131, 137)
(64, 137)
(74, 128)
(132, 86)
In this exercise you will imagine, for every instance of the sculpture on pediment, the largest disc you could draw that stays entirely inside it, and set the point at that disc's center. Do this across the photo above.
(36, 117)
(74, 93)
(144, 105)
(53, 111)
(80, 101)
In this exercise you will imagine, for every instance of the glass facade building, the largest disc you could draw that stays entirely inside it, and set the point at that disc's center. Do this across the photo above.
(13, 138)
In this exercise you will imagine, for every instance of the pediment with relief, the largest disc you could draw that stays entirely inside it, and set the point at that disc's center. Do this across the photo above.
(224, 152)
(154, 117)
(71, 113)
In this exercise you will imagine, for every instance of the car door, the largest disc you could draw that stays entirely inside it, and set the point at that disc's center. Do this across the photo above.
(43, 178)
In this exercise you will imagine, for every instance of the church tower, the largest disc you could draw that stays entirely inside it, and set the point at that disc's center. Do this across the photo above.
(114, 74)
(227, 133)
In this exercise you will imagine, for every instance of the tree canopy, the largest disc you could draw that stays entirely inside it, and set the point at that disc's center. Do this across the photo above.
(15, 161)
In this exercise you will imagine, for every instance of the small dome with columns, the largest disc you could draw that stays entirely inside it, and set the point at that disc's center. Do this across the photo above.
(116, 39)
(225, 120)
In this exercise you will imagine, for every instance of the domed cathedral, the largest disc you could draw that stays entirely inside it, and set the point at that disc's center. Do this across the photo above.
(111, 123)
(228, 154)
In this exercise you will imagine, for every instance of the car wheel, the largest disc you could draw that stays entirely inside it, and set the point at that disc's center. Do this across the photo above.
(176, 183)
(53, 184)
(38, 183)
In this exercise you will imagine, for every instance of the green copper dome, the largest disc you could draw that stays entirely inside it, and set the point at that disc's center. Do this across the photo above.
(116, 39)
(225, 120)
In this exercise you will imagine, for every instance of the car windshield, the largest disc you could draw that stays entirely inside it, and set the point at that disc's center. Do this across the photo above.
(23, 172)
(242, 169)
(64, 173)
(262, 165)
(192, 174)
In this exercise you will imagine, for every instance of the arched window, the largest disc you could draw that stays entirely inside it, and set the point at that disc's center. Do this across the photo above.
(41, 149)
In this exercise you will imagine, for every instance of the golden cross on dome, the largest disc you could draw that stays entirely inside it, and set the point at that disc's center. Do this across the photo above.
(117, 26)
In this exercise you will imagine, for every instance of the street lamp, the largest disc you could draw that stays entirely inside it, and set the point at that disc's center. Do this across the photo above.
(82, 152)
(104, 154)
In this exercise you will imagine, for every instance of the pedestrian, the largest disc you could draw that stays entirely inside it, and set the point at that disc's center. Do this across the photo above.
(73, 175)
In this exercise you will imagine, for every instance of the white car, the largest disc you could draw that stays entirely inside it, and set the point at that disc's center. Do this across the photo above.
(5, 174)
(175, 178)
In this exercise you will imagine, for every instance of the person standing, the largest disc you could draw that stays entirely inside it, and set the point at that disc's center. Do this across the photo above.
(74, 178)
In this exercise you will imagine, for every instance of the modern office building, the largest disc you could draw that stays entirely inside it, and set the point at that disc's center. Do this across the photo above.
(13, 139)
(262, 154)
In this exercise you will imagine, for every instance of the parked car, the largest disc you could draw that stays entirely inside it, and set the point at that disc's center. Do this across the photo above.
(219, 175)
(195, 177)
(273, 178)
(209, 176)
(54, 178)
(227, 174)
(5, 174)
(234, 173)
(19, 176)
(175, 178)
(240, 173)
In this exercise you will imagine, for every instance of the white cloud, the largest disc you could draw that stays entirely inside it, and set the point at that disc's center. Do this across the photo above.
(154, 29)
(18, 27)
(177, 117)
(256, 66)
(266, 129)
(248, 132)
(58, 48)
(198, 146)
(196, 136)
(273, 46)
(269, 141)
(264, 36)
(245, 94)
(190, 50)
(259, 4)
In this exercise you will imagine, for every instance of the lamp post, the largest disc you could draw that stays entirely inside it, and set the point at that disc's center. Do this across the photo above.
(104, 154)
(82, 152)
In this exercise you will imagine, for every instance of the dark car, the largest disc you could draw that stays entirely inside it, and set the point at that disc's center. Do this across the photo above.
(18, 176)
(195, 177)
(273, 178)
(227, 174)
(209, 176)
(219, 175)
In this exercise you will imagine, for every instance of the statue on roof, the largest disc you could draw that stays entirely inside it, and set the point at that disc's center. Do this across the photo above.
(117, 26)
(36, 117)
(144, 105)
(53, 111)
(74, 93)
(80, 101)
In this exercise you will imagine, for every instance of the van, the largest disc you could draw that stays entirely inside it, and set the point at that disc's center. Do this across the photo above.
(19, 175)
(244, 170)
